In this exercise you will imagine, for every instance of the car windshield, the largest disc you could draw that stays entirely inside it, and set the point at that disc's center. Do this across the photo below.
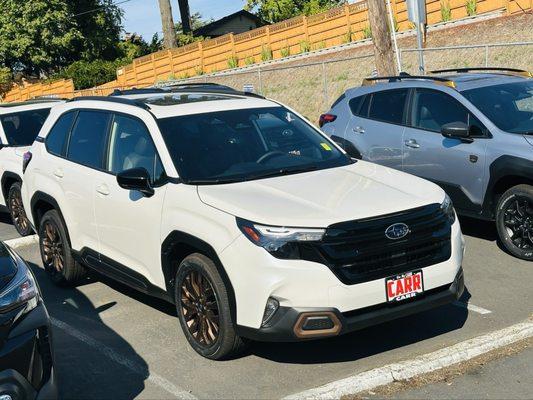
(246, 144)
(508, 106)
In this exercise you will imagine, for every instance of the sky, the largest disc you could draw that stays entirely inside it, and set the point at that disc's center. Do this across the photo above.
(143, 17)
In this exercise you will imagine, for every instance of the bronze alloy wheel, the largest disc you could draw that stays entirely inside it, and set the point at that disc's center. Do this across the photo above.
(199, 307)
(518, 220)
(52, 249)
(17, 211)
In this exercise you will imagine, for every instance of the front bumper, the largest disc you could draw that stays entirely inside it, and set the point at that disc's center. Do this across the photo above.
(26, 362)
(286, 325)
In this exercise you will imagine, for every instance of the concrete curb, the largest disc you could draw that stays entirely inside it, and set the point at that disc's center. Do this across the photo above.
(22, 241)
(439, 359)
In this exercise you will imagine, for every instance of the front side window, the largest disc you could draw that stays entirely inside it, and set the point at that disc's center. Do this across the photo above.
(432, 109)
(88, 138)
(508, 106)
(131, 146)
(388, 106)
(22, 128)
(246, 144)
(57, 137)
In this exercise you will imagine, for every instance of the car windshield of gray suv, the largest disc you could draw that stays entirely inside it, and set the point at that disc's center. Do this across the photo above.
(509, 106)
(240, 145)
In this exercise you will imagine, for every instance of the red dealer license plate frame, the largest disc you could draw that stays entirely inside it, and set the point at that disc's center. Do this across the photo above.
(403, 287)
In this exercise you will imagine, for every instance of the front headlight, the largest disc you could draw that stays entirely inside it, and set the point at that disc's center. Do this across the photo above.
(447, 208)
(281, 242)
(21, 290)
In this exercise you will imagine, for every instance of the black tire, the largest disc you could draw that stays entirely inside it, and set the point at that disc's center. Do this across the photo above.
(56, 252)
(514, 220)
(202, 301)
(16, 210)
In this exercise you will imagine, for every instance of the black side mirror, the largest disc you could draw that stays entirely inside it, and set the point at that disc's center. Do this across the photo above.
(457, 130)
(136, 179)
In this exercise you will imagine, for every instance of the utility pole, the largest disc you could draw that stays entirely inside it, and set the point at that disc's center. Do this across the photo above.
(185, 16)
(383, 53)
(169, 30)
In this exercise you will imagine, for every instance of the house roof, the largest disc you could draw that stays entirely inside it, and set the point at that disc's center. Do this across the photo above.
(204, 30)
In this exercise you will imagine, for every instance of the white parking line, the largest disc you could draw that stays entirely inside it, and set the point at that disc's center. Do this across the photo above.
(22, 241)
(420, 365)
(472, 307)
(107, 351)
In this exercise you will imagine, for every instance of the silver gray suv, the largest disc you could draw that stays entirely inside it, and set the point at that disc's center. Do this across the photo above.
(468, 130)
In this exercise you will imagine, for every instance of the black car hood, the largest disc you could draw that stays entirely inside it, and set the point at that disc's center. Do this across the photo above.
(8, 267)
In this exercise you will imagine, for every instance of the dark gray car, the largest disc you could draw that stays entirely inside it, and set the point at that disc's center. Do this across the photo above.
(468, 130)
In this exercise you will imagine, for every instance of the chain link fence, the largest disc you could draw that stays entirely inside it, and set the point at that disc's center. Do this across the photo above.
(311, 88)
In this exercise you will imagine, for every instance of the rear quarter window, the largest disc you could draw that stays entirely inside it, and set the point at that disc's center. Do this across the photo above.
(22, 128)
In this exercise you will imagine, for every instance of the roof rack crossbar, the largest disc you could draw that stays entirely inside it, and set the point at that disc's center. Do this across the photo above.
(119, 100)
(399, 78)
(514, 71)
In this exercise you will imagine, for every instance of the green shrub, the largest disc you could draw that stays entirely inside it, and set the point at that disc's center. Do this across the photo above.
(367, 32)
(198, 70)
(320, 45)
(471, 7)
(88, 74)
(285, 51)
(266, 53)
(6, 80)
(445, 11)
(348, 36)
(249, 60)
(305, 46)
(233, 62)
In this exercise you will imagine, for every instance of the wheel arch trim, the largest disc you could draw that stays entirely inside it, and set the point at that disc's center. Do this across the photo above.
(8, 176)
(176, 238)
(500, 169)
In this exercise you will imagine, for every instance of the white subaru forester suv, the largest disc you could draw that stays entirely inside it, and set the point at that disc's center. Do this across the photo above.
(241, 213)
(20, 123)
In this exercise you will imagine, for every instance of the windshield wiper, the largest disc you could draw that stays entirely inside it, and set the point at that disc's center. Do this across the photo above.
(281, 172)
(215, 181)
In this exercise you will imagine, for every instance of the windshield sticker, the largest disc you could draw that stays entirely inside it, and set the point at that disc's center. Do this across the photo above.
(326, 146)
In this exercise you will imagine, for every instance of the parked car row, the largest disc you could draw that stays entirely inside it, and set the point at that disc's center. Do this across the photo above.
(252, 221)
(469, 130)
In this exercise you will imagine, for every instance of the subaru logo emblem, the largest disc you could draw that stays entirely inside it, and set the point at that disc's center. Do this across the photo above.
(397, 231)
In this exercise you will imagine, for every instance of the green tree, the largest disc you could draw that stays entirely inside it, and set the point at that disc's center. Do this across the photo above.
(279, 10)
(36, 37)
(6, 80)
(100, 25)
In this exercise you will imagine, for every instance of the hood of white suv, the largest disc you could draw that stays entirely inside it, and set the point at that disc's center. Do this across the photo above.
(321, 198)
(529, 139)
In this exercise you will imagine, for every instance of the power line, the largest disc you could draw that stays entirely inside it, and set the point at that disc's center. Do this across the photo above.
(99, 8)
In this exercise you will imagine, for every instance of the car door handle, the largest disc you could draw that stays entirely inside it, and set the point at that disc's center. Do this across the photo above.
(58, 173)
(358, 129)
(102, 189)
(412, 144)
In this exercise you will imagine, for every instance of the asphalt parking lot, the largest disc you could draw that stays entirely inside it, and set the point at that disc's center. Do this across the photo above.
(112, 342)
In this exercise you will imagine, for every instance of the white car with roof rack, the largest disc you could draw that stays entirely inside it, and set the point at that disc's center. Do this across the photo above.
(20, 124)
(241, 213)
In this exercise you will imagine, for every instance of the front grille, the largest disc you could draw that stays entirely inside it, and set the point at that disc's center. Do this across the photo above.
(359, 251)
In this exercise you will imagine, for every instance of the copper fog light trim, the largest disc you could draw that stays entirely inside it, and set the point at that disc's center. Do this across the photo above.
(301, 333)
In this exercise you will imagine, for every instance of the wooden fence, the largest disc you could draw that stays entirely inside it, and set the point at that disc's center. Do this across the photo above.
(301, 34)
(60, 88)
(334, 27)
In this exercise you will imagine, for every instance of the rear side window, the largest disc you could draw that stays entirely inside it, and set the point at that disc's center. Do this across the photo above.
(22, 128)
(57, 137)
(388, 106)
(355, 105)
(88, 138)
